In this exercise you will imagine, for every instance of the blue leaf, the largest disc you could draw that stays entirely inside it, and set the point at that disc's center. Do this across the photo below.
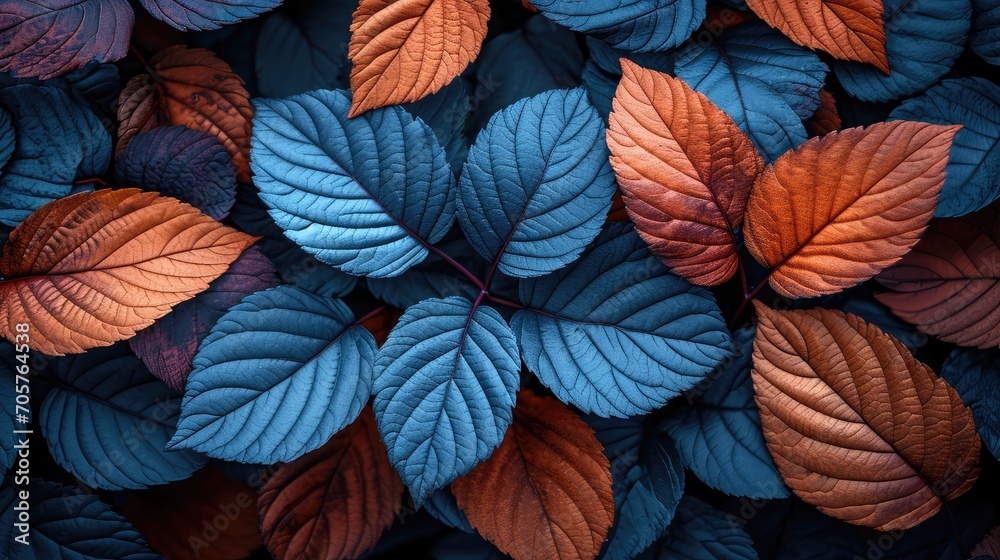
(277, 377)
(433, 278)
(973, 172)
(186, 164)
(365, 195)
(603, 71)
(985, 40)
(95, 86)
(631, 25)
(922, 41)
(537, 184)
(7, 140)
(446, 113)
(445, 385)
(8, 439)
(108, 420)
(718, 433)
(441, 505)
(56, 142)
(616, 333)
(701, 532)
(206, 14)
(67, 524)
(648, 483)
(975, 374)
(766, 83)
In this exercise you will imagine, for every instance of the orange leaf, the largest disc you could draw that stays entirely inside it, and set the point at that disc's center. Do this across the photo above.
(685, 169)
(857, 426)
(192, 88)
(618, 213)
(826, 119)
(847, 29)
(381, 323)
(93, 268)
(404, 50)
(333, 502)
(545, 493)
(838, 209)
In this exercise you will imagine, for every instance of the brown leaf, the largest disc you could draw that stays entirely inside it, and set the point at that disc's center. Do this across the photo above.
(838, 209)
(857, 426)
(93, 268)
(404, 50)
(192, 88)
(989, 547)
(826, 119)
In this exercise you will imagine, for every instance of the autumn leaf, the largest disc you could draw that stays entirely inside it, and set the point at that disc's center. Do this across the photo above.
(857, 426)
(93, 268)
(838, 209)
(685, 169)
(404, 50)
(826, 119)
(546, 491)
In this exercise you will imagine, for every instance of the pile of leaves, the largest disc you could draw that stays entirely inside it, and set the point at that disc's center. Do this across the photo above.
(324, 279)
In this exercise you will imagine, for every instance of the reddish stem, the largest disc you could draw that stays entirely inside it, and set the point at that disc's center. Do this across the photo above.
(370, 314)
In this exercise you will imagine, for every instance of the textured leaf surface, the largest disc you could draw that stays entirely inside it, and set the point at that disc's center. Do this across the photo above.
(95, 86)
(279, 374)
(973, 170)
(94, 268)
(839, 209)
(546, 492)
(975, 375)
(365, 195)
(537, 184)
(686, 170)
(7, 140)
(206, 14)
(858, 427)
(433, 278)
(949, 285)
(334, 502)
(445, 384)
(446, 113)
(403, 51)
(985, 39)
(45, 38)
(186, 164)
(108, 420)
(701, 532)
(615, 333)
(826, 119)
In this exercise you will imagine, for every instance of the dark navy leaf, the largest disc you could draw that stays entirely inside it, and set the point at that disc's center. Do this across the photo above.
(45, 38)
(763, 80)
(441, 505)
(279, 374)
(603, 70)
(616, 333)
(95, 86)
(973, 172)
(364, 195)
(433, 278)
(186, 164)
(56, 142)
(169, 346)
(7, 395)
(446, 112)
(7, 140)
(648, 483)
(465, 546)
(108, 420)
(632, 25)
(701, 532)
(445, 385)
(922, 41)
(68, 524)
(206, 14)
(975, 374)
(985, 38)
(718, 432)
(537, 184)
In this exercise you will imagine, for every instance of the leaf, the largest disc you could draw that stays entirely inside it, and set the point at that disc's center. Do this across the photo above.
(7, 140)
(441, 505)
(69, 524)
(766, 83)
(973, 172)
(847, 29)
(107, 420)
(858, 427)
(45, 38)
(989, 547)
(433, 278)
(206, 14)
(685, 169)
(95, 86)
(922, 42)
(718, 432)
(615, 333)
(985, 38)
(537, 185)
(168, 347)
(839, 209)
(334, 502)
(826, 119)
(364, 195)
(631, 25)
(546, 491)
(445, 384)
(603, 71)
(192, 88)
(56, 142)
(701, 532)
(403, 51)
(183, 163)
(446, 113)
(279, 374)
(975, 375)
(93, 268)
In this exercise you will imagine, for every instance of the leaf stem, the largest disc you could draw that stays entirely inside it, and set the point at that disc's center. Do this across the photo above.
(457, 266)
(93, 180)
(747, 298)
(142, 60)
(504, 302)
